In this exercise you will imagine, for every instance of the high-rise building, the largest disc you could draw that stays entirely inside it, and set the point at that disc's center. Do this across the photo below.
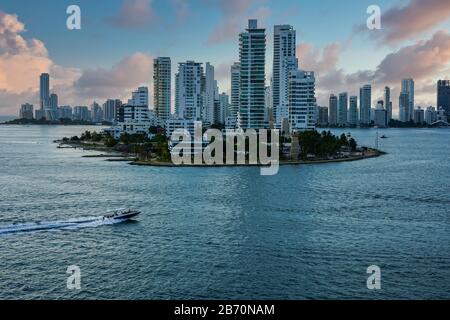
(353, 111)
(53, 101)
(139, 97)
(403, 105)
(343, 109)
(224, 107)
(365, 104)
(252, 56)
(96, 112)
(189, 82)
(65, 112)
(322, 116)
(388, 103)
(302, 101)
(162, 86)
(380, 115)
(419, 115)
(443, 95)
(26, 111)
(44, 90)
(284, 61)
(81, 113)
(110, 109)
(430, 115)
(408, 88)
(333, 110)
(235, 89)
(209, 95)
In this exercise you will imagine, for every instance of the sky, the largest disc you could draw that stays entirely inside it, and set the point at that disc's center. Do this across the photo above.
(112, 53)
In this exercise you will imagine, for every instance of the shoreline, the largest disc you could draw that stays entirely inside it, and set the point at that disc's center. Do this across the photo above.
(117, 156)
(374, 154)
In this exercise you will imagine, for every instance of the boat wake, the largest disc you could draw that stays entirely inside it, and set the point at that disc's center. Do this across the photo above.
(72, 224)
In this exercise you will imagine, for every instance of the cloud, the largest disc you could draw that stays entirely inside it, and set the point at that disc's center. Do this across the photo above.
(404, 23)
(21, 63)
(235, 14)
(134, 14)
(425, 61)
(118, 81)
(23, 60)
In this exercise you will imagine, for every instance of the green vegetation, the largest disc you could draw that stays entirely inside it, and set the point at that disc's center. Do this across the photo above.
(323, 145)
(137, 144)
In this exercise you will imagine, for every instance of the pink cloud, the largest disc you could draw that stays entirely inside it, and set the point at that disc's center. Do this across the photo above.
(134, 14)
(235, 14)
(425, 61)
(118, 81)
(418, 16)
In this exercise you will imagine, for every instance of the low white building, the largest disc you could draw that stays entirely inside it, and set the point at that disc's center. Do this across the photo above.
(173, 124)
(134, 120)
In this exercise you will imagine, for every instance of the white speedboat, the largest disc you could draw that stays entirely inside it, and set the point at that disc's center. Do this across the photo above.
(121, 214)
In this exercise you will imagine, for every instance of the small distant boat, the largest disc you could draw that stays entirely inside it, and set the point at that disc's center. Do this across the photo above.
(121, 214)
(383, 137)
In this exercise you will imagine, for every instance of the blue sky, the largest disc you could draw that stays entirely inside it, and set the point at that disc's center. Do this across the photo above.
(207, 30)
(100, 44)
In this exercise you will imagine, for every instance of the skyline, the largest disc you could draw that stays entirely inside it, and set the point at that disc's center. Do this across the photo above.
(35, 45)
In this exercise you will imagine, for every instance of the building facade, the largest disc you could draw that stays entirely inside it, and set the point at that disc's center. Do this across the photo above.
(408, 89)
(343, 109)
(365, 104)
(44, 91)
(284, 61)
(26, 111)
(302, 101)
(388, 103)
(252, 56)
(333, 110)
(162, 87)
(353, 111)
(443, 95)
(189, 82)
(139, 98)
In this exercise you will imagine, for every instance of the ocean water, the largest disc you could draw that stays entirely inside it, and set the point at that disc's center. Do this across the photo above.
(309, 232)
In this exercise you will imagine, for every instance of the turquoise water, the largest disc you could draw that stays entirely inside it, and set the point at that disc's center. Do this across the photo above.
(225, 233)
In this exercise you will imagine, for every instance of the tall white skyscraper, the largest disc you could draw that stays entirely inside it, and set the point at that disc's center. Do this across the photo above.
(209, 95)
(408, 88)
(139, 98)
(343, 109)
(252, 56)
(353, 111)
(235, 89)
(365, 104)
(189, 90)
(162, 85)
(302, 101)
(44, 90)
(388, 103)
(284, 61)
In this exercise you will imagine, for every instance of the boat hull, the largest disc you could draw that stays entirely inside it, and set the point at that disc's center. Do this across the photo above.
(127, 216)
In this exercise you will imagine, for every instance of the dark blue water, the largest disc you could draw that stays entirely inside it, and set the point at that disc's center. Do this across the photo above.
(308, 232)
